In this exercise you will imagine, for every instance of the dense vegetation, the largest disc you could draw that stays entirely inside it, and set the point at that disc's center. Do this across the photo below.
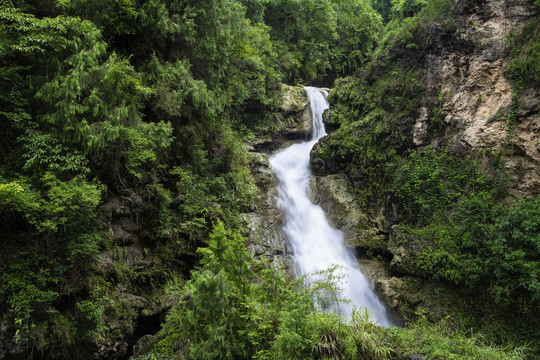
(236, 309)
(136, 111)
(467, 228)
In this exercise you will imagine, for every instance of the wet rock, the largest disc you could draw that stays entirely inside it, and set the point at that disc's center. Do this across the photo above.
(404, 249)
(263, 226)
(294, 98)
(111, 349)
(10, 346)
(265, 234)
(128, 264)
(333, 194)
(113, 207)
(491, 54)
(291, 123)
(260, 169)
(118, 232)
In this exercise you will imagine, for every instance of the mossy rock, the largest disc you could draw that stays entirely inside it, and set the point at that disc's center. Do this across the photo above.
(294, 98)
(408, 296)
(334, 194)
(404, 249)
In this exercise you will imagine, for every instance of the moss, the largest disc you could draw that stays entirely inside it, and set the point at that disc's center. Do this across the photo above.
(524, 65)
(376, 113)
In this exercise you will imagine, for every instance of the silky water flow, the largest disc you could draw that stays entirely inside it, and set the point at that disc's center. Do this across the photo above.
(316, 245)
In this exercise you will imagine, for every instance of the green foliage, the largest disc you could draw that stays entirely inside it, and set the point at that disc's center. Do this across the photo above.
(29, 281)
(384, 8)
(44, 152)
(255, 9)
(432, 182)
(465, 233)
(27, 34)
(355, 339)
(212, 320)
(375, 117)
(64, 215)
(141, 101)
(317, 38)
(91, 310)
(406, 8)
(415, 24)
(488, 244)
(441, 341)
(115, 17)
(514, 256)
(235, 308)
(452, 204)
(65, 203)
(309, 27)
(524, 66)
(254, 78)
(93, 103)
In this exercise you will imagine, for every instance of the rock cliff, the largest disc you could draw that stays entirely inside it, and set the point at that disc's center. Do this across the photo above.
(467, 73)
(465, 106)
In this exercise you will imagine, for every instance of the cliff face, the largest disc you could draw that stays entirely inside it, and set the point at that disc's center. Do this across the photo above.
(463, 101)
(467, 72)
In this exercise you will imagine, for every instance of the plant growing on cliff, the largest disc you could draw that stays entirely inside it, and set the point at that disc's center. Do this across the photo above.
(524, 66)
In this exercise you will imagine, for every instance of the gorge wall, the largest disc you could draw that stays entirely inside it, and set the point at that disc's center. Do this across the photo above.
(463, 102)
(467, 71)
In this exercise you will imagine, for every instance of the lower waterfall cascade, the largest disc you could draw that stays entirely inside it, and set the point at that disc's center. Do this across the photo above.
(316, 245)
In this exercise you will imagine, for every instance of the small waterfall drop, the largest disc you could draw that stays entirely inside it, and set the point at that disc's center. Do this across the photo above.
(316, 245)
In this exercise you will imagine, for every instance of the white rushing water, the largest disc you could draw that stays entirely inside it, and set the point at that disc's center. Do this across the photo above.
(316, 245)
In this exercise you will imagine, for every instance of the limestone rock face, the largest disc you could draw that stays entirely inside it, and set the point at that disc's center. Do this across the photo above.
(144, 345)
(263, 225)
(398, 283)
(10, 344)
(127, 259)
(295, 101)
(421, 127)
(403, 248)
(466, 73)
(294, 98)
(468, 78)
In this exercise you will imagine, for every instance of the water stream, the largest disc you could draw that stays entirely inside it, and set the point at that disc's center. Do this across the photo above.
(316, 245)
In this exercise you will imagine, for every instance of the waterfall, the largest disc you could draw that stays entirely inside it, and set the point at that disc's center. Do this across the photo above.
(316, 245)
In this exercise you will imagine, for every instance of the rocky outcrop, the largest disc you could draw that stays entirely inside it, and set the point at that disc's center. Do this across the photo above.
(333, 194)
(130, 296)
(386, 255)
(263, 226)
(407, 295)
(10, 344)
